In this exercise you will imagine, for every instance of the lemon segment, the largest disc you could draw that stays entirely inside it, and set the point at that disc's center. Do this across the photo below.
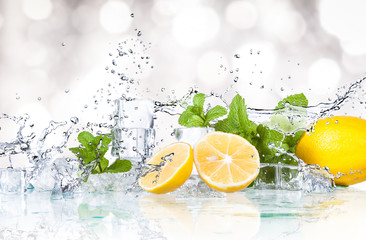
(226, 162)
(176, 170)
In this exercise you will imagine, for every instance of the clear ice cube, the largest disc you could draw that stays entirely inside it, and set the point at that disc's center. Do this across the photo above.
(136, 113)
(191, 135)
(118, 182)
(133, 143)
(308, 178)
(11, 180)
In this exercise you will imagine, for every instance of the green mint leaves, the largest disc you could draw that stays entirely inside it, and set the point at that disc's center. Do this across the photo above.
(119, 166)
(295, 100)
(279, 133)
(93, 149)
(195, 116)
(237, 121)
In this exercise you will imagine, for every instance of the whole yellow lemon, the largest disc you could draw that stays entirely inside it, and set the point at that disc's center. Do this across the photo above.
(338, 143)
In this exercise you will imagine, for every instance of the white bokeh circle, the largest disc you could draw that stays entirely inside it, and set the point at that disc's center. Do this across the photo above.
(37, 9)
(343, 19)
(241, 14)
(208, 69)
(324, 76)
(196, 25)
(115, 17)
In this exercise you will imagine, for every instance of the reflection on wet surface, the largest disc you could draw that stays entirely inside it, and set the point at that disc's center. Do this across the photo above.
(251, 214)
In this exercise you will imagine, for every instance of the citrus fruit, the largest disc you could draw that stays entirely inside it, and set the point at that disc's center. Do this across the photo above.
(338, 143)
(176, 163)
(226, 162)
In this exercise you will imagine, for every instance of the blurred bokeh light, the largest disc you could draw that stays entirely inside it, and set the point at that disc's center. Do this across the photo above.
(263, 49)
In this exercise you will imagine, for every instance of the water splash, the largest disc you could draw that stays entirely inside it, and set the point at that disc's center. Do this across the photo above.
(127, 84)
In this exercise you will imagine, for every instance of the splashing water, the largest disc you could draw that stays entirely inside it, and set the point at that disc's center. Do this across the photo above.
(69, 174)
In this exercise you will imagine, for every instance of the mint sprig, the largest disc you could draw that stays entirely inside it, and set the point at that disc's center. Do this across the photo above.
(295, 100)
(237, 121)
(93, 149)
(195, 116)
(265, 137)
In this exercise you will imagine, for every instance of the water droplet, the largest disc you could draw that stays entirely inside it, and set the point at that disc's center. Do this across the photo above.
(282, 89)
(132, 15)
(327, 123)
(262, 86)
(139, 33)
(63, 44)
(17, 97)
(236, 79)
(39, 98)
(74, 120)
(336, 121)
(106, 68)
(162, 89)
(237, 55)
(67, 90)
(86, 106)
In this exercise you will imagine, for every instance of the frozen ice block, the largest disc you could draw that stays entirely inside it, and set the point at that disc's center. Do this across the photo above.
(133, 143)
(136, 113)
(191, 135)
(11, 180)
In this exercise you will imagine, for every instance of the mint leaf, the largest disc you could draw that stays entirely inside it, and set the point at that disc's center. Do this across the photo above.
(119, 166)
(226, 126)
(237, 121)
(199, 100)
(104, 145)
(295, 100)
(85, 138)
(195, 121)
(239, 116)
(292, 140)
(213, 113)
(194, 116)
(93, 150)
(266, 140)
(74, 150)
(185, 117)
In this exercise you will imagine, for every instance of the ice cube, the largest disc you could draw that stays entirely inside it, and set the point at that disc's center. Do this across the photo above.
(136, 113)
(45, 181)
(133, 143)
(11, 180)
(191, 135)
(119, 182)
(63, 171)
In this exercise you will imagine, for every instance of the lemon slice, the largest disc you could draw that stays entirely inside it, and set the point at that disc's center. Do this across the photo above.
(226, 162)
(175, 163)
